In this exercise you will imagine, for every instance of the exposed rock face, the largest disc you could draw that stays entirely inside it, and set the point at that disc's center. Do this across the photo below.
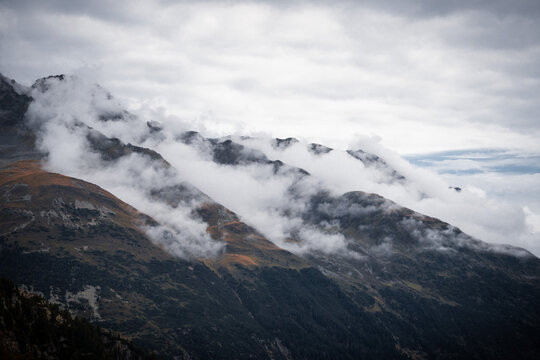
(372, 160)
(13, 104)
(282, 144)
(113, 149)
(319, 149)
(16, 140)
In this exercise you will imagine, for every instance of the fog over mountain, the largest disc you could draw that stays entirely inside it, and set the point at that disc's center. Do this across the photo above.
(270, 180)
(417, 80)
(197, 246)
(449, 76)
(70, 113)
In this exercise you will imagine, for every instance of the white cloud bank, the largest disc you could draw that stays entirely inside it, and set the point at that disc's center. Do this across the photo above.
(274, 204)
(491, 218)
(62, 113)
(423, 75)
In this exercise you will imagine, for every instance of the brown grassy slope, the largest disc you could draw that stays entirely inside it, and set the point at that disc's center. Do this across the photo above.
(79, 216)
(245, 247)
(42, 210)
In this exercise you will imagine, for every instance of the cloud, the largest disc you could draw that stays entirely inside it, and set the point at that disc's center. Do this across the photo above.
(424, 76)
(487, 215)
(69, 111)
(449, 75)
(532, 220)
(62, 115)
(450, 239)
(276, 200)
(503, 183)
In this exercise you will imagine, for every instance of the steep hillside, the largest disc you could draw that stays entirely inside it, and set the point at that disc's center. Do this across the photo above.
(32, 328)
(441, 293)
(16, 139)
(342, 275)
(80, 247)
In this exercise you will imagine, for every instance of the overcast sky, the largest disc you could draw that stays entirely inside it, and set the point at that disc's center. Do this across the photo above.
(427, 76)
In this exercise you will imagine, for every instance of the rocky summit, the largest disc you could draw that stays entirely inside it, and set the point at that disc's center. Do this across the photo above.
(104, 226)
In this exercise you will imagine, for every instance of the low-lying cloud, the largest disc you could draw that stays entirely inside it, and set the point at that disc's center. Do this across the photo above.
(62, 115)
(447, 74)
(272, 199)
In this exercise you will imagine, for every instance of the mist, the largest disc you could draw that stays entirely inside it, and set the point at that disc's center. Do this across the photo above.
(274, 202)
(65, 112)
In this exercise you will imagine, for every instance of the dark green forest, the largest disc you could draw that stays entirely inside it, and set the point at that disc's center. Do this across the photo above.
(33, 328)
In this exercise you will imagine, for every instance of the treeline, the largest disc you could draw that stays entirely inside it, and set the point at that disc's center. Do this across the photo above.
(32, 328)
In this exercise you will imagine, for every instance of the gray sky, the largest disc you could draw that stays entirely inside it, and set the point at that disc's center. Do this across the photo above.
(426, 76)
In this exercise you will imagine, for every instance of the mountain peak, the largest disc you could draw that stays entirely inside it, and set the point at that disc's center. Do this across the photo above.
(7, 83)
(282, 144)
(43, 84)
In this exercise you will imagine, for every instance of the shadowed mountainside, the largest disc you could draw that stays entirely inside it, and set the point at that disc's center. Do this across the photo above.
(80, 246)
(415, 287)
(32, 328)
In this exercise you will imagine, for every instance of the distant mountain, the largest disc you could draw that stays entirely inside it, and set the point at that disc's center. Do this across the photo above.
(322, 275)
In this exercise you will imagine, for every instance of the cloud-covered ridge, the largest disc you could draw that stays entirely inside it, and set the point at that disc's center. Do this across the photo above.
(275, 185)
(71, 116)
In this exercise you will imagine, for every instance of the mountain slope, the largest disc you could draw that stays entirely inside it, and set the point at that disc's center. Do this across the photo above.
(393, 283)
(421, 276)
(118, 278)
(32, 328)
(16, 140)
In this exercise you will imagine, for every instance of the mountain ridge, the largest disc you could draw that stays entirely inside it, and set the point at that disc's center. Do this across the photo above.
(398, 285)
